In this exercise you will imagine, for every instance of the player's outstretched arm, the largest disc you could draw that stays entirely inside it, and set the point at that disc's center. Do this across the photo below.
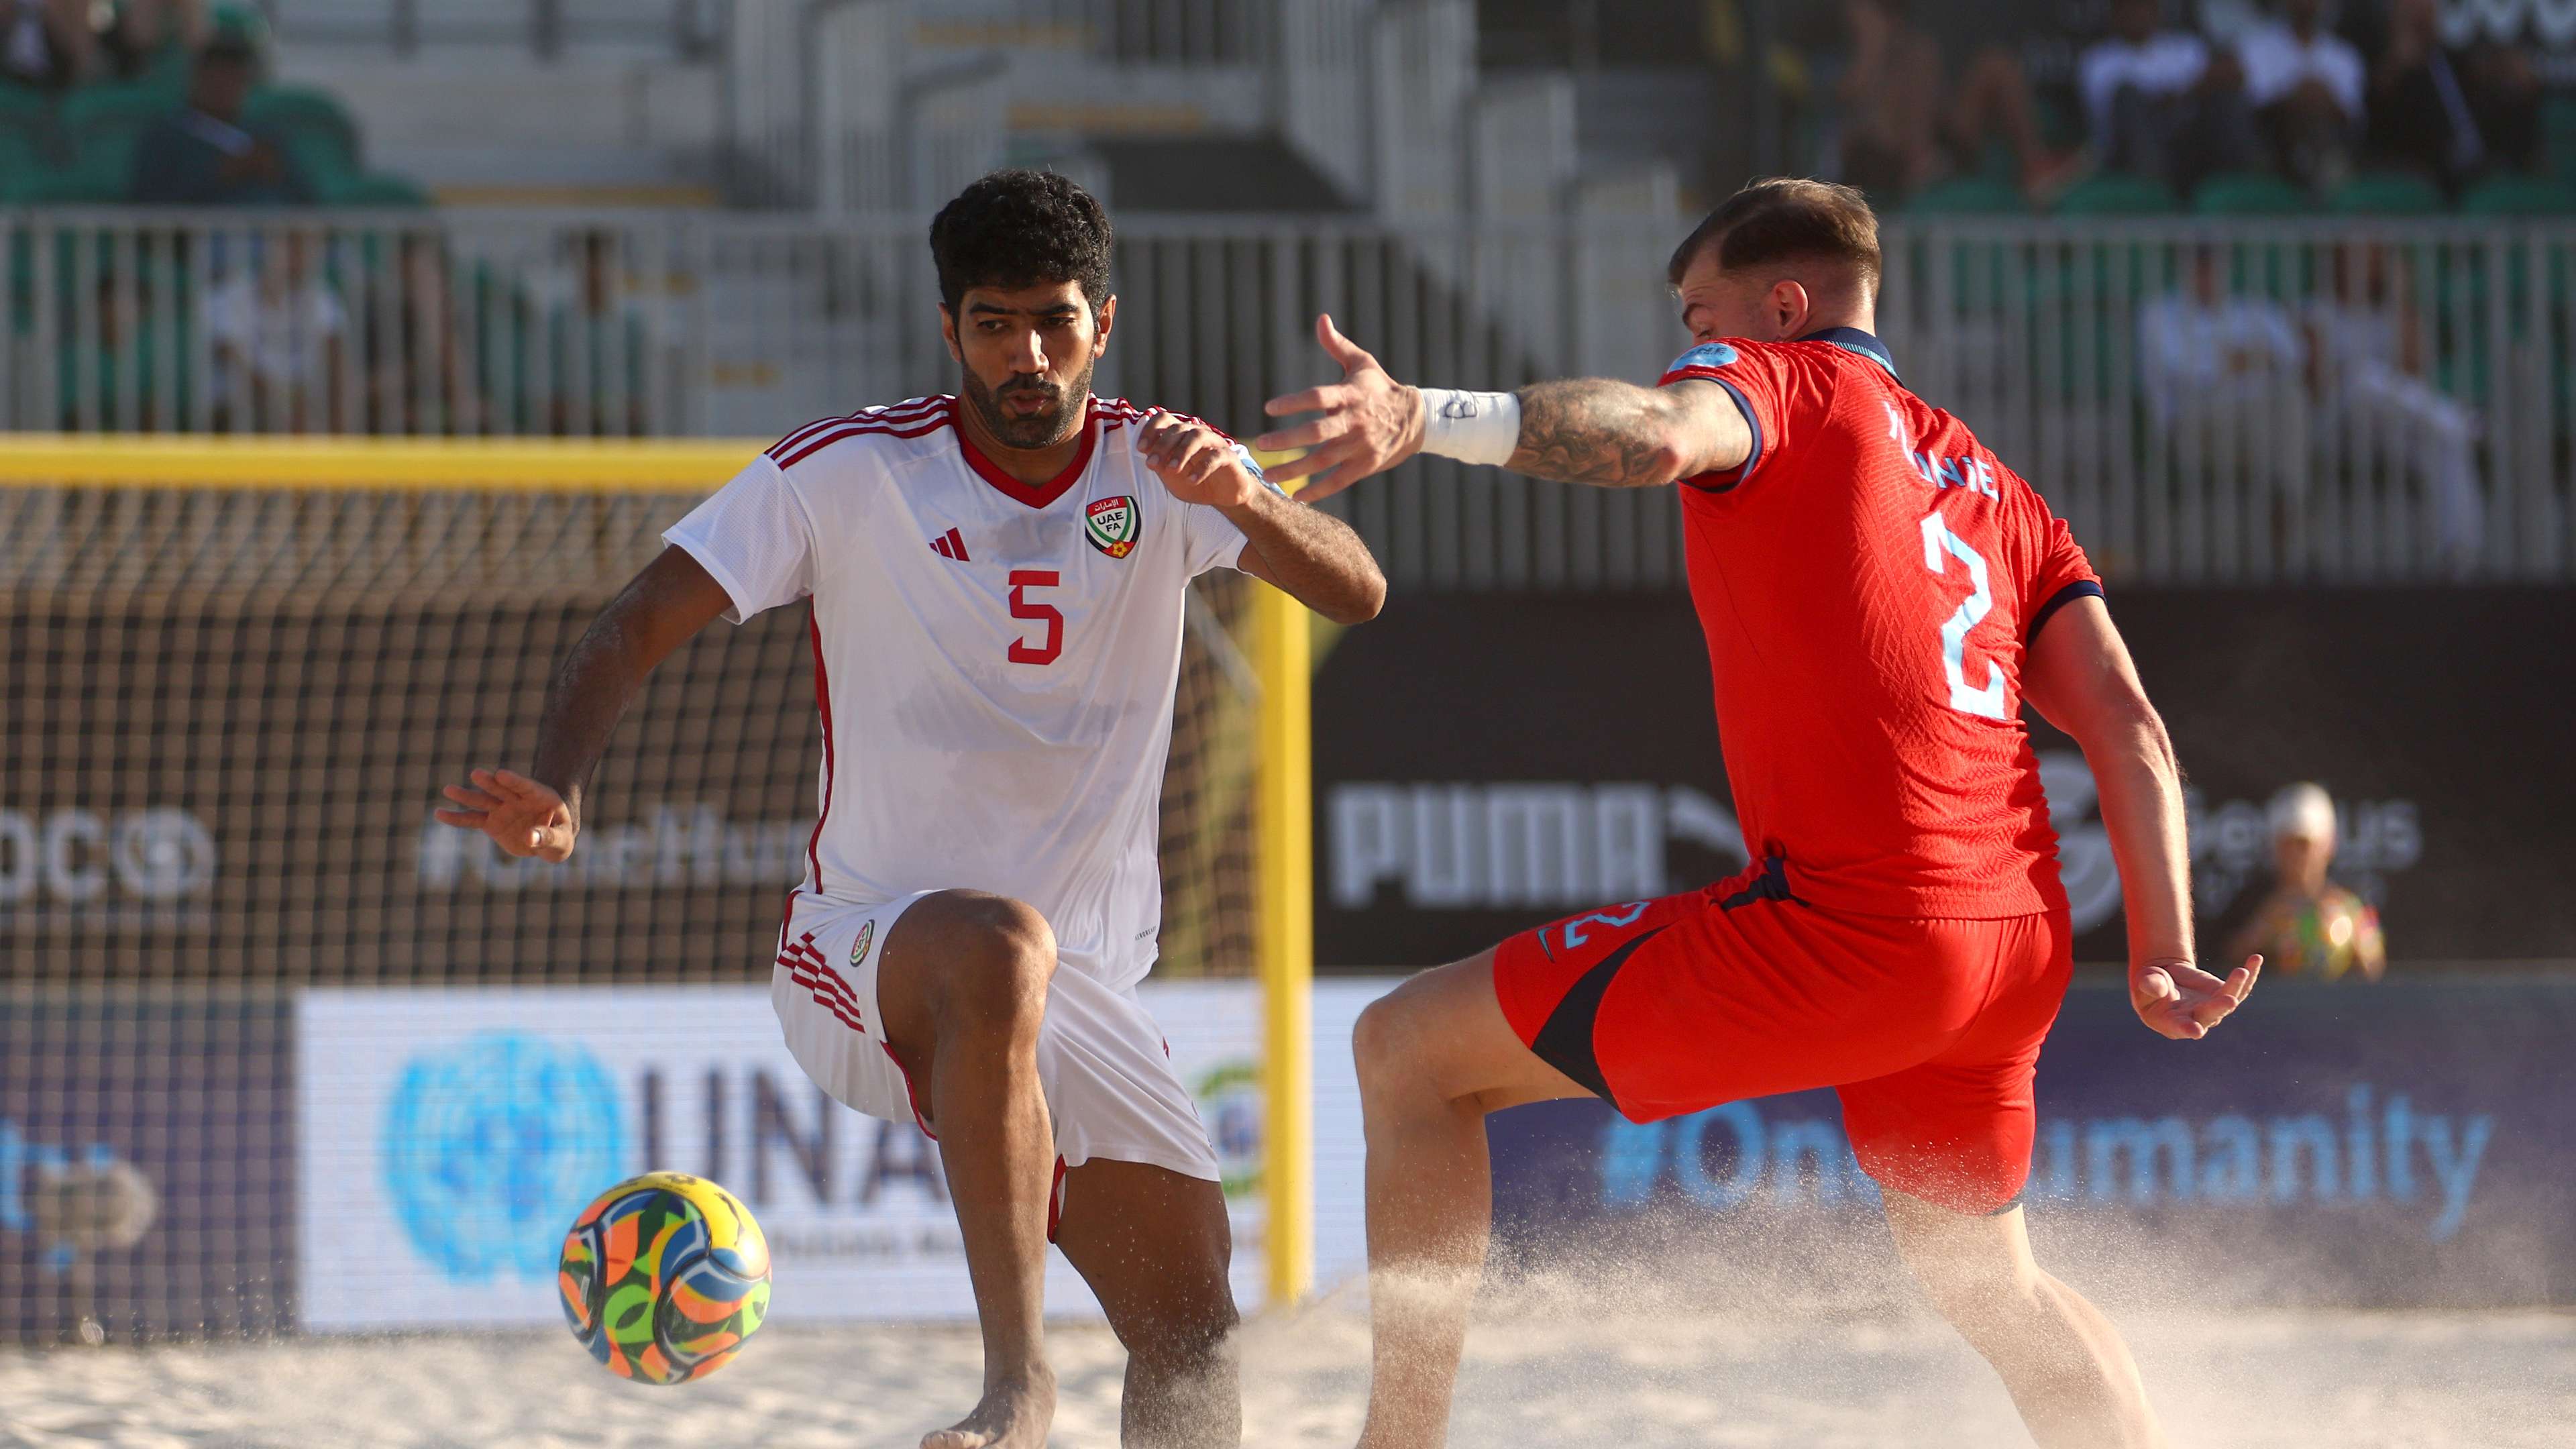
(1587, 430)
(1311, 555)
(539, 813)
(2080, 676)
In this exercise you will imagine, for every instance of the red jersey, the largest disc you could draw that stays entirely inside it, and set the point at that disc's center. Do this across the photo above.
(1870, 581)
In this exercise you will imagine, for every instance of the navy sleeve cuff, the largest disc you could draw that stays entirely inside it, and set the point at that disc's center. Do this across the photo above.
(1725, 482)
(2080, 589)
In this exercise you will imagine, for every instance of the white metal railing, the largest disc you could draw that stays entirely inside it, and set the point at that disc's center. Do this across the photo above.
(2238, 402)
(541, 27)
(2246, 401)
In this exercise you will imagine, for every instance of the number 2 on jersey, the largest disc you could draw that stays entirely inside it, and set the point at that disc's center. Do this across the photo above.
(1022, 651)
(1939, 546)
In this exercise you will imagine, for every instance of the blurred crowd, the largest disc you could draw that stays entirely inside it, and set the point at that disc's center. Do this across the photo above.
(366, 330)
(54, 45)
(2178, 93)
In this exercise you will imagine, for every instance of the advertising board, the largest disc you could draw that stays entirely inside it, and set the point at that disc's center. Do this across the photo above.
(145, 1160)
(1485, 763)
(2411, 1145)
(447, 1138)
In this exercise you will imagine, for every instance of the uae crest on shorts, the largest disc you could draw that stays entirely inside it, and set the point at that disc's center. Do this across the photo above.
(859, 947)
(1112, 525)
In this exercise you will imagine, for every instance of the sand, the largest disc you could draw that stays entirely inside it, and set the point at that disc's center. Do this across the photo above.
(1545, 1379)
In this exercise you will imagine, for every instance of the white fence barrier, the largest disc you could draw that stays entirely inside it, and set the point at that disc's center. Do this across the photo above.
(2237, 402)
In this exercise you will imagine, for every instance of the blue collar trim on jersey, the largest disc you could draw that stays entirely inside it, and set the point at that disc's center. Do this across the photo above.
(1852, 339)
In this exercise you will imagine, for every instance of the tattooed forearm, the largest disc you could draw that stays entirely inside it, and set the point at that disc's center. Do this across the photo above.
(1612, 434)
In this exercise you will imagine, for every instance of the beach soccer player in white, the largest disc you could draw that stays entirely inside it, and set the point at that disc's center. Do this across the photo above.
(998, 582)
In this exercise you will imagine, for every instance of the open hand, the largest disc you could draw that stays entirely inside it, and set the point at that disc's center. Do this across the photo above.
(2179, 1000)
(522, 816)
(1369, 423)
(1196, 462)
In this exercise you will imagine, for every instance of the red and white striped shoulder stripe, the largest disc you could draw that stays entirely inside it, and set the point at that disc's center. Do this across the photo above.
(1118, 411)
(909, 419)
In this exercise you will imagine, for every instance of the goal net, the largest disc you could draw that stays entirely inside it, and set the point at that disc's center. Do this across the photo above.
(279, 1051)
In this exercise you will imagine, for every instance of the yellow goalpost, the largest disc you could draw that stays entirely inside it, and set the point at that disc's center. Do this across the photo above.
(1280, 652)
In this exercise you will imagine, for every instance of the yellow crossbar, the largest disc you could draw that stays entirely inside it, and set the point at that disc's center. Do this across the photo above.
(459, 465)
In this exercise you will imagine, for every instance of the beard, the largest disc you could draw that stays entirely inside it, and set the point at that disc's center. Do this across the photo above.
(1058, 420)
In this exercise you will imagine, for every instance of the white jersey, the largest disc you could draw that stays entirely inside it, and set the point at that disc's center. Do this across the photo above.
(995, 661)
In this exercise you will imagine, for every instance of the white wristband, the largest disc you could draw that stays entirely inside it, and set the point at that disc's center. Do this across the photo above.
(1473, 427)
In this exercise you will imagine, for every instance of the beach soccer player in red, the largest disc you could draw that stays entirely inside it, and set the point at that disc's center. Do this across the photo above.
(1880, 597)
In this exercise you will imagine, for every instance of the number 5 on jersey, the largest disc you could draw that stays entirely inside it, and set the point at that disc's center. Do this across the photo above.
(1022, 651)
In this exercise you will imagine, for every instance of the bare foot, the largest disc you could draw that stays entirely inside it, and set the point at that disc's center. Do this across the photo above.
(1014, 1415)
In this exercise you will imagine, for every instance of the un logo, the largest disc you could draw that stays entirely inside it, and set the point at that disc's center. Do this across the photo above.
(490, 1147)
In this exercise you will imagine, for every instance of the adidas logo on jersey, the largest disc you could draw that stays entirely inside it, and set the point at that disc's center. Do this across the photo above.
(950, 545)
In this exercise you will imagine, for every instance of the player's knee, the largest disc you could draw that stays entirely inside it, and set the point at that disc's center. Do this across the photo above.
(1386, 1042)
(1002, 957)
(1184, 1336)
(1374, 1040)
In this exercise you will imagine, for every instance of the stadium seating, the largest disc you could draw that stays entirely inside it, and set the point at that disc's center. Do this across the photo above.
(2113, 193)
(2388, 193)
(1968, 196)
(323, 138)
(2249, 193)
(2512, 195)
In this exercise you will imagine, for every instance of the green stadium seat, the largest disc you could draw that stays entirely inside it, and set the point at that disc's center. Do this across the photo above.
(2249, 193)
(1968, 196)
(25, 107)
(2518, 195)
(116, 101)
(2114, 193)
(22, 159)
(312, 124)
(2388, 193)
(377, 189)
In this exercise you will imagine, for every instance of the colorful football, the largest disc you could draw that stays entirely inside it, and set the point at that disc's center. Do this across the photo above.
(664, 1277)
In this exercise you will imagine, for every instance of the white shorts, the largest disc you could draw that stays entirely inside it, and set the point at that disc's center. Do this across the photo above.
(1102, 1063)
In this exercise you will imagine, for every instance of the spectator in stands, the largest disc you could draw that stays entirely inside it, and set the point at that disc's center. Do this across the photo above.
(139, 33)
(419, 373)
(279, 337)
(203, 154)
(2202, 348)
(2308, 925)
(1901, 132)
(2444, 113)
(2224, 376)
(44, 43)
(600, 346)
(2161, 103)
(108, 372)
(2306, 84)
(2367, 337)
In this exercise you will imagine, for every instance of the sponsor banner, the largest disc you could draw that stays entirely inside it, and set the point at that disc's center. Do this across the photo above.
(1484, 763)
(243, 786)
(447, 1138)
(144, 1162)
(2412, 1145)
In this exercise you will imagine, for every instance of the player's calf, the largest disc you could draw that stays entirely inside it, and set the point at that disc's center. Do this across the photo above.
(1434, 1056)
(1155, 1246)
(2066, 1367)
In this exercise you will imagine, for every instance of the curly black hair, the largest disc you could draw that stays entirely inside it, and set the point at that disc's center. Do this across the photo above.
(1021, 228)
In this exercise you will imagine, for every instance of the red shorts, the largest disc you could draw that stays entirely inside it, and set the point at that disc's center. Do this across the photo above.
(1929, 1029)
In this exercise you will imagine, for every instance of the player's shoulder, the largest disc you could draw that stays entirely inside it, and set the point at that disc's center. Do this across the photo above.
(875, 435)
(1811, 361)
(1117, 416)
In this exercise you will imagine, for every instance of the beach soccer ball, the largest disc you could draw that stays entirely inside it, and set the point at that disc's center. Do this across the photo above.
(663, 1277)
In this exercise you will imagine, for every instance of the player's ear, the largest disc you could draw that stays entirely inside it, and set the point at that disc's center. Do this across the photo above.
(948, 334)
(1103, 318)
(1789, 308)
